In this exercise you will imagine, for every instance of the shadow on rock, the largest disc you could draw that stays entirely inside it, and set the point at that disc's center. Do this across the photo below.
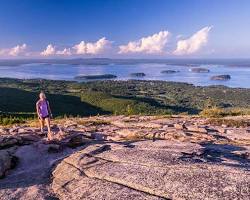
(225, 154)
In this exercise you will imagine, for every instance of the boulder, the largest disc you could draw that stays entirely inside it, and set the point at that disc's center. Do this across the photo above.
(9, 141)
(20, 139)
(77, 140)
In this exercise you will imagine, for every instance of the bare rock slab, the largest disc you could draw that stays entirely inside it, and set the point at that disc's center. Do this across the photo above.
(151, 170)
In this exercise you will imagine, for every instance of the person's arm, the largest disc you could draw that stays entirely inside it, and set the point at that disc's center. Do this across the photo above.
(37, 109)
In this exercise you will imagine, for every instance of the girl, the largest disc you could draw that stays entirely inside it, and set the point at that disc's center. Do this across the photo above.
(44, 113)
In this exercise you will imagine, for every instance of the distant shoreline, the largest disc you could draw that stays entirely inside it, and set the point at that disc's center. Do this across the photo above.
(2, 79)
(105, 61)
(117, 80)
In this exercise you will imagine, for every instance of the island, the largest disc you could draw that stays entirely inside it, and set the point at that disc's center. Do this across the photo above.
(138, 74)
(199, 70)
(169, 71)
(221, 77)
(98, 76)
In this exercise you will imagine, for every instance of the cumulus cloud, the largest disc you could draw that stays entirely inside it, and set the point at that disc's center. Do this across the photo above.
(153, 44)
(15, 51)
(194, 43)
(49, 51)
(64, 52)
(92, 48)
(3, 52)
(80, 49)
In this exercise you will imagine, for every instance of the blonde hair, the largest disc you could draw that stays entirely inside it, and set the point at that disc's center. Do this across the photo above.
(42, 95)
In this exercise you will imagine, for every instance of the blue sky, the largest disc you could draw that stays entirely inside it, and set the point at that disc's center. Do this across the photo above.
(115, 28)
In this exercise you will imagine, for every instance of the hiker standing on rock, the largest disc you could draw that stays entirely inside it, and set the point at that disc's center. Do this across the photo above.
(44, 113)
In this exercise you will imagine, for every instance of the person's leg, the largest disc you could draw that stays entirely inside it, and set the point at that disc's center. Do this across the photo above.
(41, 121)
(47, 121)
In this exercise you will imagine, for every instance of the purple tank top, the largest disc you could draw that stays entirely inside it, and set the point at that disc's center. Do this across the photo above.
(43, 108)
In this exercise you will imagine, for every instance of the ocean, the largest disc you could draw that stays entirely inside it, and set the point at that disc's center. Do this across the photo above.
(240, 75)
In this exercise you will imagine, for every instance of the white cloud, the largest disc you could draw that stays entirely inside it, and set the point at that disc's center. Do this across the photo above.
(81, 49)
(194, 43)
(153, 44)
(92, 48)
(64, 52)
(3, 52)
(15, 51)
(49, 51)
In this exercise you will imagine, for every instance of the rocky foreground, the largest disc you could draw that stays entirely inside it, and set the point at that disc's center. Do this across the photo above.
(119, 157)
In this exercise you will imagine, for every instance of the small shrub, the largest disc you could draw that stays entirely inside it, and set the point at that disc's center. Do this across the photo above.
(9, 120)
(129, 110)
(220, 112)
(213, 112)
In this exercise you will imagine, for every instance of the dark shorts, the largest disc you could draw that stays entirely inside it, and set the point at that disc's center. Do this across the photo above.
(43, 118)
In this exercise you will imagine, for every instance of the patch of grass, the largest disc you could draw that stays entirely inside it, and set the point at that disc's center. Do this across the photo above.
(4, 121)
(213, 112)
(216, 112)
(120, 105)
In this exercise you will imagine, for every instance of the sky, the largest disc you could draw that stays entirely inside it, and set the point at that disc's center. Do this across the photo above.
(125, 28)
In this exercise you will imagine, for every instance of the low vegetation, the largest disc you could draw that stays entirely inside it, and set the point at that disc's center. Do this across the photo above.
(223, 112)
(229, 122)
(18, 98)
(11, 120)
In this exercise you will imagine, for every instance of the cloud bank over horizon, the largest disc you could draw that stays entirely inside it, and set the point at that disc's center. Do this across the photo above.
(155, 44)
